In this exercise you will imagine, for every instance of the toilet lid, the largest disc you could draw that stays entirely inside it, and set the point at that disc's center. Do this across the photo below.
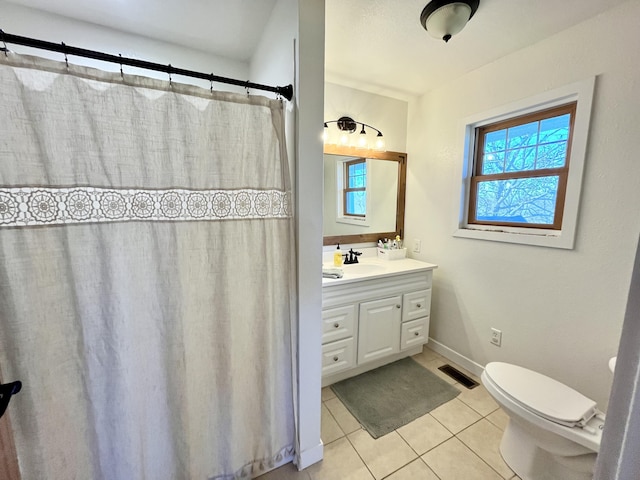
(543, 395)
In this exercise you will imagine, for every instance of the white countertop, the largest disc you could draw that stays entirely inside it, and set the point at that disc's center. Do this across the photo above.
(371, 267)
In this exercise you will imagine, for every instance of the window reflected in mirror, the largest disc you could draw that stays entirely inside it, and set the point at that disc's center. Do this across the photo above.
(364, 193)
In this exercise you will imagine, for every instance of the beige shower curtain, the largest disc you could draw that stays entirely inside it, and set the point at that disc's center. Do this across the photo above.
(146, 276)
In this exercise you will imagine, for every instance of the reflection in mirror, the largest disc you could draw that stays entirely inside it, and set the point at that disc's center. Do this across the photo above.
(364, 194)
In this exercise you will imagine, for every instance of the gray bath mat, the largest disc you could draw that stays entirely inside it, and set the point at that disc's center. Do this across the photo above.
(391, 396)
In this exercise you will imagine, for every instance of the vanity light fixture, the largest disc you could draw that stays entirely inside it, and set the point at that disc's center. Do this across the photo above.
(445, 18)
(347, 126)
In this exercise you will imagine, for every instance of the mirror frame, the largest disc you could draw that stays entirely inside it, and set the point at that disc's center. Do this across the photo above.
(399, 157)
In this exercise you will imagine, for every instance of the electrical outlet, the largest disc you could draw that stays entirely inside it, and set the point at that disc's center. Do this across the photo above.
(496, 337)
(417, 245)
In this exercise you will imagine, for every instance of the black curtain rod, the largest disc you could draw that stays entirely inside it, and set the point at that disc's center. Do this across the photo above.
(286, 92)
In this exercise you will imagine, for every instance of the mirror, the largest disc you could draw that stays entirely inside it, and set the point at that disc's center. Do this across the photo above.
(381, 215)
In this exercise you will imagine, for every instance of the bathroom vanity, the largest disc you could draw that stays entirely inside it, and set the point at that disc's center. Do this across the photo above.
(377, 313)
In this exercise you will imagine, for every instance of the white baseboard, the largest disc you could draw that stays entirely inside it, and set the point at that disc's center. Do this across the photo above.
(309, 456)
(455, 357)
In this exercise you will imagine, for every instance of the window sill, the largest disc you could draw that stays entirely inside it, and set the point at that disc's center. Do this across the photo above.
(523, 236)
(362, 222)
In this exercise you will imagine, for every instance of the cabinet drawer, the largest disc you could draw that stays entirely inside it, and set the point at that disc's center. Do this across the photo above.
(416, 304)
(414, 332)
(337, 356)
(338, 323)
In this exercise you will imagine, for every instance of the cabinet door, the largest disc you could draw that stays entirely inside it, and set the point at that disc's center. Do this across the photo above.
(379, 328)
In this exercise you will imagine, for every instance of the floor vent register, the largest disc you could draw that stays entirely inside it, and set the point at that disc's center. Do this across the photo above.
(458, 376)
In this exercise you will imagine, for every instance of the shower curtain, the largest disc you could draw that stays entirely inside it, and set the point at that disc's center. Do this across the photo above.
(147, 286)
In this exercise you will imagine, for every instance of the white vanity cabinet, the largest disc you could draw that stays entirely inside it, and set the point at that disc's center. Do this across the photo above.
(369, 322)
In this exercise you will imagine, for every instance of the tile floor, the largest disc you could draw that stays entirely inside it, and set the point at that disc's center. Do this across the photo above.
(457, 441)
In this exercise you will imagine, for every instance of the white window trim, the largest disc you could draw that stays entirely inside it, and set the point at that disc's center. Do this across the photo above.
(582, 92)
(340, 176)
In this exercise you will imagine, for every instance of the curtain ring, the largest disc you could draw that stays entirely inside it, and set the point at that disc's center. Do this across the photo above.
(246, 87)
(169, 72)
(211, 81)
(64, 50)
(121, 72)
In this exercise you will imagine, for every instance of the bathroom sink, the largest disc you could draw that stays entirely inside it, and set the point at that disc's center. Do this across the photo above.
(363, 269)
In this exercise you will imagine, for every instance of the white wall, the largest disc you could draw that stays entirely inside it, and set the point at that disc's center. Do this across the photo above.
(28, 22)
(294, 37)
(387, 114)
(560, 311)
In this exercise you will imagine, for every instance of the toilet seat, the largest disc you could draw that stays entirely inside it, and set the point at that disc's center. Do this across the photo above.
(542, 395)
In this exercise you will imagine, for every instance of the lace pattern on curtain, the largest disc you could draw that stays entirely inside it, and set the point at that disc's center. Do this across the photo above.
(27, 206)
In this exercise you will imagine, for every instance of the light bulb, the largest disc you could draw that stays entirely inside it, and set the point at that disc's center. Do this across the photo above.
(344, 139)
(380, 143)
(325, 135)
(362, 141)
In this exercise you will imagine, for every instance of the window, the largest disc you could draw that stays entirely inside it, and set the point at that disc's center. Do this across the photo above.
(522, 169)
(355, 191)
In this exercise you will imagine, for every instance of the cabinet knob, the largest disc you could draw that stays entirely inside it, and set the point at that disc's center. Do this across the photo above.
(419, 305)
(335, 359)
(416, 333)
(398, 306)
(336, 325)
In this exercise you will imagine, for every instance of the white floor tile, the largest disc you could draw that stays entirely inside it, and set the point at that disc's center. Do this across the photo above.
(340, 462)
(424, 433)
(484, 439)
(383, 455)
(347, 422)
(416, 470)
(330, 430)
(455, 415)
(454, 461)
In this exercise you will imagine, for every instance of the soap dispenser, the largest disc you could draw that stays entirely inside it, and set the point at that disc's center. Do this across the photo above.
(337, 257)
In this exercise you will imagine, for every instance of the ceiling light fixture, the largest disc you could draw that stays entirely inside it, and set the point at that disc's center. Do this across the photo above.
(347, 126)
(445, 18)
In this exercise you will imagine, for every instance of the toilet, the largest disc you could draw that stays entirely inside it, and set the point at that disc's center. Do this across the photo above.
(553, 432)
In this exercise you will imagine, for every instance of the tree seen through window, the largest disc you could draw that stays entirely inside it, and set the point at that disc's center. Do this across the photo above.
(521, 168)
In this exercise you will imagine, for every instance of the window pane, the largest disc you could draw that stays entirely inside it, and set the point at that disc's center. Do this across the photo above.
(520, 159)
(493, 163)
(357, 173)
(357, 182)
(554, 129)
(495, 141)
(356, 203)
(356, 169)
(552, 155)
(525, 200)
(523, 135)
